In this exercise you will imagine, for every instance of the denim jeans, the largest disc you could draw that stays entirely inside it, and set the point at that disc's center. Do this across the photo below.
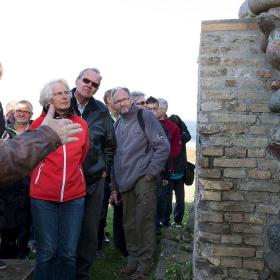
(57, 230)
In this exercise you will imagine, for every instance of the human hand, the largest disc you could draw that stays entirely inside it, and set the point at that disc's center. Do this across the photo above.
(114, 198)
(63, 127)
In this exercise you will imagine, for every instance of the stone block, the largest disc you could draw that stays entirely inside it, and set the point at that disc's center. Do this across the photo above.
(211, 106)
(253, 264)
(231, 239)
(258, 108)
(254, 240)
(213, 227)
(238, 163)
(204, 162)
(212, 151)
(232, 118)
(210, 173)
(266, 164)
(229, 251)
(213, 72)
(259, 186)
(219, 141)
(232, 61)
(259, 174)
(269, 119)
(235, 152)
(231, 206)
(209, 61)
(211, 195)
(215, 184)
(234, 129)
(234, 173)
(257, 197)
(255, 218)
(249, 142)
(246, 274)
(232, 195)
(209, 129)
(259, 130)
(231, 262)
(267, 209)
(256, 153)
(207, 216)
(233, 217)
(261, 73)
(247, 228)
(210, 237)
(230, 83)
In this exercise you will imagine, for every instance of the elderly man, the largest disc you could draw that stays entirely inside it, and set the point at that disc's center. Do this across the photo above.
(97, 165)
(140, 157)
(139, 98)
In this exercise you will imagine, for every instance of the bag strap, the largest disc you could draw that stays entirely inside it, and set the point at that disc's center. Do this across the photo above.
(142, 125)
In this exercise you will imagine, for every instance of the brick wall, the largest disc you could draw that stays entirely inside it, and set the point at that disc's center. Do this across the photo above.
(237, 184)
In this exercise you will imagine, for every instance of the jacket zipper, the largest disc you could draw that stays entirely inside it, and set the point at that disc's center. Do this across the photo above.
(39, 172)
(82, 174)
(64, 174)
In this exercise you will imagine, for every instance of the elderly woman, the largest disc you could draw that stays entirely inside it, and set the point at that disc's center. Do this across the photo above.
(57, 191)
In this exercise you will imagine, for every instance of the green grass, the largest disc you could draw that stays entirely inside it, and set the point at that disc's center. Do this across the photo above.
(106, 267)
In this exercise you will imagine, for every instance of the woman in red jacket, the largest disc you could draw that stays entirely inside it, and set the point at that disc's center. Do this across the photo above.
(57, 192)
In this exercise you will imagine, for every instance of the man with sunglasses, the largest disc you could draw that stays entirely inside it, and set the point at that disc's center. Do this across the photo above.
(97, 165)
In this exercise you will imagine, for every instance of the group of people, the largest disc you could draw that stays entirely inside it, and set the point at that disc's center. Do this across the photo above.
(126, 152)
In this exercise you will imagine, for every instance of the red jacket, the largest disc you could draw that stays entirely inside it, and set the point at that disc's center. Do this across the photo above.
(59, 177)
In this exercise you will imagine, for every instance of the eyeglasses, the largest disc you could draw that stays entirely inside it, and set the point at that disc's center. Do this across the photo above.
(61, 93)
(121, 100)
(89, 82)
(22, 112)
(141, 103)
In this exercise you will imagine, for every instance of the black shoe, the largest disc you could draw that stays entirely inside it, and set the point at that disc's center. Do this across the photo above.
(2, 265)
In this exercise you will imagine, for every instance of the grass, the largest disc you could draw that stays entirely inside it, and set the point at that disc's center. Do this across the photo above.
(107, 265)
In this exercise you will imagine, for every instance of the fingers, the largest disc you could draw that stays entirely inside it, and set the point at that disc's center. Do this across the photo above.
(70, 140)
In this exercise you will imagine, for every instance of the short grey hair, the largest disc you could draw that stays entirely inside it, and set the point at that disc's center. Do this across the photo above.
(90, 69)
(26, 103)
(47, 91)
(114, 90)
(162, 103)
(136, 94)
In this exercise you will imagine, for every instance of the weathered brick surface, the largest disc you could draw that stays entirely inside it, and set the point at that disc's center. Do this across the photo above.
(238, 182)
(253, 264)
(231, 262)
(215, 184)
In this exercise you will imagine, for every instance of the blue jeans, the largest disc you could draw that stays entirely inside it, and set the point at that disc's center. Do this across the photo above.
(57, 231)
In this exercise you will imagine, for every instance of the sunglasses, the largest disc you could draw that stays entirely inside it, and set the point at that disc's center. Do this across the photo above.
(89, 82)
(141, 103)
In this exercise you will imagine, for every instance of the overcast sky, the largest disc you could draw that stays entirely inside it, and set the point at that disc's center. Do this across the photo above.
(146, 45)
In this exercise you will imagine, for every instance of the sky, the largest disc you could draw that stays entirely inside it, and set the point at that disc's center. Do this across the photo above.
(146, 45)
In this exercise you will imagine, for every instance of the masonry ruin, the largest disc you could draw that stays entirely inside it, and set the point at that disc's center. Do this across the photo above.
(237, 224)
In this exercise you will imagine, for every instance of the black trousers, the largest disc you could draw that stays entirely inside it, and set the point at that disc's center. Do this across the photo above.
(88, 239)
(103, 217)
(118, 230)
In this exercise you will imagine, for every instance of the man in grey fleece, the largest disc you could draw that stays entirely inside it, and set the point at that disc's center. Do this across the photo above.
(139, 159)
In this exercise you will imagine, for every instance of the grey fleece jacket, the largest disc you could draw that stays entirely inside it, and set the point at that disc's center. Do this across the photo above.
(131, 161)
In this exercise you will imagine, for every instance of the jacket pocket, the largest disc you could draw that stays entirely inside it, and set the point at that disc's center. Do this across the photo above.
(39, 173)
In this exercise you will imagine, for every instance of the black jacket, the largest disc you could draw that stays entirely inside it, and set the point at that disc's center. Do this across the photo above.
(2, 121)
(102, 139)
